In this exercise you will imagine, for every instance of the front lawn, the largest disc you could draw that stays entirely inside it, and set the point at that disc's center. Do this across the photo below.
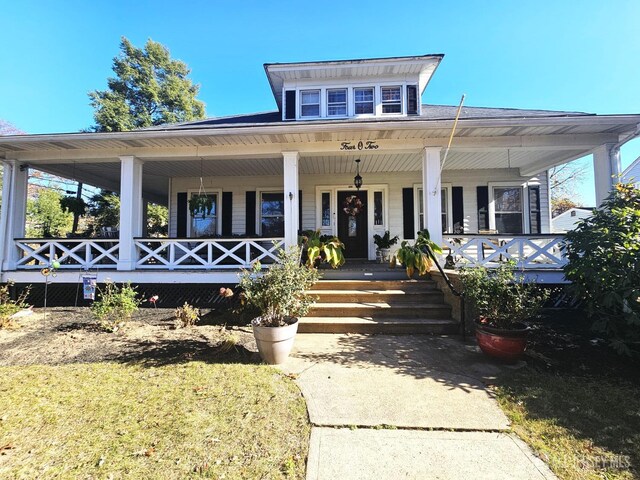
(576, 402)
(176, 420)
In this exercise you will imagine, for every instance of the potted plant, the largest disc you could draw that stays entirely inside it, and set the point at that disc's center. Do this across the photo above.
(502, 304)
(415, 258)
(200, 204)
(384, 244)
(322, 248)
(278, 296)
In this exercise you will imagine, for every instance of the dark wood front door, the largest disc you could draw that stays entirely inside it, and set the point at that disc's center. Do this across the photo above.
(352, 229)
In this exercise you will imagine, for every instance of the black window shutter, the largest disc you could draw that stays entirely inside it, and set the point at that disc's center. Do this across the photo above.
(181, 231)
(299, 210)
(483, 207)
(250, 214)
(290, 105)
(408, 221)
(457, 210)
(412, 99)
(227, 213)
(534, 210)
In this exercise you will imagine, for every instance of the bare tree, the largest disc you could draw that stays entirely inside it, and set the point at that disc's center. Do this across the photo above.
(563, 181)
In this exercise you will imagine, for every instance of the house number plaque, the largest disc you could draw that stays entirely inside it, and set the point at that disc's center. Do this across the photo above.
(368, 145)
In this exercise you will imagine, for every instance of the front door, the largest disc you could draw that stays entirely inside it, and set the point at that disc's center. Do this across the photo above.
(352, 223)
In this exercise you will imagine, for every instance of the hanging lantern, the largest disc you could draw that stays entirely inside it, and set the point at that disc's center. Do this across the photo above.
(357, 180)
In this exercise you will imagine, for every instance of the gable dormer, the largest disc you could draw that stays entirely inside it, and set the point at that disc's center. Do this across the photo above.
(375, 88)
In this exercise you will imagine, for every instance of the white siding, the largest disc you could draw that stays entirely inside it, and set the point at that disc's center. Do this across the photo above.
(565, 222)
(395, 182)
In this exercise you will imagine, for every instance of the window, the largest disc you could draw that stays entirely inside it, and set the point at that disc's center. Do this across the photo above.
(310, 103)
(337, 102)
(391, 99)
(326, 209)
(378, 216)
(272, 214)
(363, 100)
(508, 209)
(444, 209)
(206, 226)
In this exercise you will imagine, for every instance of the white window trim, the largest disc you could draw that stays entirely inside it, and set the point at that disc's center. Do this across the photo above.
(416, 205)
(402, 102)
(526, 230)
(320, 102)
(346, 101)
(259, 193)
(353, 95)
(208, 191)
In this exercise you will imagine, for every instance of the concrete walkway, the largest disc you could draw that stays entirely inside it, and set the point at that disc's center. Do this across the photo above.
(386, 407)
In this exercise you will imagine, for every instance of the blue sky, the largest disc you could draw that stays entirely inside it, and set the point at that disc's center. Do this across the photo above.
(559, 55)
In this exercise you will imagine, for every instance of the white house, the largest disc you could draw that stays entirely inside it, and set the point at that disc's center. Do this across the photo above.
(632, 173)
(568, 220)
(272, 174)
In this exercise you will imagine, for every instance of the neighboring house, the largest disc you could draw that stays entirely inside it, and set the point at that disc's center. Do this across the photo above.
(270, 175)
(567, 220)
(632, 173)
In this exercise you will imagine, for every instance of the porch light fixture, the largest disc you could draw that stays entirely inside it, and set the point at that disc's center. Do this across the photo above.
(357, 180)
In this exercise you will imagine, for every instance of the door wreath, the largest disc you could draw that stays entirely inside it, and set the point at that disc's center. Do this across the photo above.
(352, 205)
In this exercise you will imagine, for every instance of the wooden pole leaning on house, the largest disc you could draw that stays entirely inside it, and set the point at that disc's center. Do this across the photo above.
(453, 131)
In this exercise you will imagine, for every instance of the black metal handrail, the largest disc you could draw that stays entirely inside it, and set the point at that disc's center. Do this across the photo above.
(452, 288)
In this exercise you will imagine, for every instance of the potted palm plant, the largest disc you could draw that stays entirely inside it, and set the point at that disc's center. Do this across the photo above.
(384, 244)
(278, 296)
(503, 303)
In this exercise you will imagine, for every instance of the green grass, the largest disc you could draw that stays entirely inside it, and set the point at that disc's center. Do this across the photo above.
(112, 421)
(583, 427)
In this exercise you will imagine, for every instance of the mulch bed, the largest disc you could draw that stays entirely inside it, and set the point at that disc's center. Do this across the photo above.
(72, 335)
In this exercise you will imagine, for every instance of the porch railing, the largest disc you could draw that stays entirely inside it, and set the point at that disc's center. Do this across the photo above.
(528, 251)
(68, 252)
(207, 254)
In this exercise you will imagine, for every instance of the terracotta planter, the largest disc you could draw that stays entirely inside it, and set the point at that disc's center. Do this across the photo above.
(275, 343)
(501, 343)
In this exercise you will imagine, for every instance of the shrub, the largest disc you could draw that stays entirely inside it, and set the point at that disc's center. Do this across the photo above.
(9, 307)
(115, 306)
(187, 315)
(278, 293)
(499, 298)
(603, 255)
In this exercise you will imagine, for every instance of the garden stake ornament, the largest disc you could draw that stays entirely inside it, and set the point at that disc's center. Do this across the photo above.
(46, 272)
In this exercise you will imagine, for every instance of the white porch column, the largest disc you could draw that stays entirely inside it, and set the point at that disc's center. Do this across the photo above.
(291, 200)
(14, 211)
(606, 170)
(130, 210)
(431, 185)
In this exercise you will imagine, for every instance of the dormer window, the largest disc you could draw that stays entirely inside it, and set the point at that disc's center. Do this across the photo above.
(391, 99)
(337, 102)
(310, 103)
(363, 100)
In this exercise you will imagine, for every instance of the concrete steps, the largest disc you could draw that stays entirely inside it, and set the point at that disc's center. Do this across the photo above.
(378, 306)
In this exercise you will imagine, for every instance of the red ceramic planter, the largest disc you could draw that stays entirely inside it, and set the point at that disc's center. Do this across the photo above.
(507, 345)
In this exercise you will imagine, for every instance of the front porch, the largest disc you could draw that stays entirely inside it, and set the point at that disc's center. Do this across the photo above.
(166, 260)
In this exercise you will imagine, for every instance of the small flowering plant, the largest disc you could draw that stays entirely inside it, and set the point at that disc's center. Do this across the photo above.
(153, 300)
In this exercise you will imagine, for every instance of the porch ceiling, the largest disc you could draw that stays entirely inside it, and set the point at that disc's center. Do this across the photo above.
(157, 172)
